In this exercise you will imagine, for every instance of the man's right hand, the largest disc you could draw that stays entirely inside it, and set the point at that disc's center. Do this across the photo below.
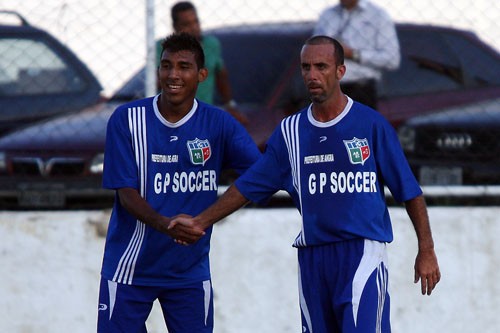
(183, 230)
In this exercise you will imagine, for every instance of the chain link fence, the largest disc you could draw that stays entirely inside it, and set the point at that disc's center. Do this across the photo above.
(110, 38)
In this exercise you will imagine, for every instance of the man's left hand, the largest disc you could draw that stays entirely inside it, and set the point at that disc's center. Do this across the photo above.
(427, 270)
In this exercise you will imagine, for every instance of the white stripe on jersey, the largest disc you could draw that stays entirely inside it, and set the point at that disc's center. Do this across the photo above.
(137, 125)
(289, 128)
(290, 131)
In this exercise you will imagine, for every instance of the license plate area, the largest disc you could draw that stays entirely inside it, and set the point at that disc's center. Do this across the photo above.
(440, 175)
(35, 195)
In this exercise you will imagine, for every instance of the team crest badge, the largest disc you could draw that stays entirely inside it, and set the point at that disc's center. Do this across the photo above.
(199, 151)
(358, 150)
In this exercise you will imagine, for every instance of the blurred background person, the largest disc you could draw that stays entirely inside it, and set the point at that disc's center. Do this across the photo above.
(370, 43)
(185, 19)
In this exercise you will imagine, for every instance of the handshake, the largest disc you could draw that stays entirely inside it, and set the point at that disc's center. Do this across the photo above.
(185, 229)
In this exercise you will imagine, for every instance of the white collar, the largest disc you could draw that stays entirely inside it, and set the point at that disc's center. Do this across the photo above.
(181, 121)
(332, 122)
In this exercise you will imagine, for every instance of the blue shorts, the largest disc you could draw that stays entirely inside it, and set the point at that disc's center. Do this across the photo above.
(343, 287)
(125, 308)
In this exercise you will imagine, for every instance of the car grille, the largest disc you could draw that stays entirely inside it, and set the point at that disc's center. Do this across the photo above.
(478, 144)
(454, 141)
(53, 167)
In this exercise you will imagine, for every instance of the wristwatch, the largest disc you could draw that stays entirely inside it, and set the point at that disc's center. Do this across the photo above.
(355, 55)
(231, 104)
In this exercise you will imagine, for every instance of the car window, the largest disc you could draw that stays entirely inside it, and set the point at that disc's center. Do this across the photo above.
(481, 64)
(428, 64)
(30, 67)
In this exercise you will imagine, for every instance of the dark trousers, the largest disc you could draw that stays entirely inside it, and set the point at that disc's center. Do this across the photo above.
(364, 92)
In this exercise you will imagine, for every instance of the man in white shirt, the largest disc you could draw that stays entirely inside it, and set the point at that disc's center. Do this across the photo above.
(370, 43)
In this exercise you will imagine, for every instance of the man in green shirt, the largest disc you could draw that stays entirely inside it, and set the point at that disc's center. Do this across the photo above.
(185, 19)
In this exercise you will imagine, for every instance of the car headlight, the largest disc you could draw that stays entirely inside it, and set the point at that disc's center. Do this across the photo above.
(97, 164)
(3, 162)
(407, 138)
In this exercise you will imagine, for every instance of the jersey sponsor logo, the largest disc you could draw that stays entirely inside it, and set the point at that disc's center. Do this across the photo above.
(199, 151)
(182, 182)
(358, 150)
(174, 138)
(157, 158)
(103, 307)
(322, 138)
(318, 158)
(341, 182)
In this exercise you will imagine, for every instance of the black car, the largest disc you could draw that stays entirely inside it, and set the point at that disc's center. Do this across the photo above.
(458, 146)
(59, 162)
(39, 76)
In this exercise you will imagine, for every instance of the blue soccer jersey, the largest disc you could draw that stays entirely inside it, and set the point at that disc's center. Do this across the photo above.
(176, 168)
(335, 172)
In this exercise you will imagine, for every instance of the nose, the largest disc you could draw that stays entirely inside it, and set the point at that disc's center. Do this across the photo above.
(311, 75)
(172, 72)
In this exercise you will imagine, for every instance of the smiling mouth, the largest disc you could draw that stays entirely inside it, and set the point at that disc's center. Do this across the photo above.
(174, 86)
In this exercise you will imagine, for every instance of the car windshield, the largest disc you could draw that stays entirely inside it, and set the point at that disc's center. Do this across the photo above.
(480, 62)
(438, 61)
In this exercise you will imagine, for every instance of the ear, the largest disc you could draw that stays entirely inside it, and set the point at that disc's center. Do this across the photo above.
(340, 72)
(202, 74)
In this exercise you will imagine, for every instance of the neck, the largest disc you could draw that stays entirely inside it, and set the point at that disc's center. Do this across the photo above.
(329, 110)
(173, 112)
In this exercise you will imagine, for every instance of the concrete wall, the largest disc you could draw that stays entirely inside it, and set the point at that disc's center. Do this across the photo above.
(50, 261)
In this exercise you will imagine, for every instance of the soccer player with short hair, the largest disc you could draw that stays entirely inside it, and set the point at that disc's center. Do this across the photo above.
(334, 159)
(164, 155)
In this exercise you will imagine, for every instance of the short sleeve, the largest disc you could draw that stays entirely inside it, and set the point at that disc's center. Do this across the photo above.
(266, 176)
(120, 169)
(394, 166)
(240, 149)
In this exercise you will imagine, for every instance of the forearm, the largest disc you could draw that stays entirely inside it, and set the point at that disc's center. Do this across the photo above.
(131, 200)
(417, 211)
(223, 86)
(388, 59)
(426, 264)
(229, 202)
(384, 53)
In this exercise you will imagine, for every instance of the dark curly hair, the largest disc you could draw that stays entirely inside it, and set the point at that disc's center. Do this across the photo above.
(184, 42)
